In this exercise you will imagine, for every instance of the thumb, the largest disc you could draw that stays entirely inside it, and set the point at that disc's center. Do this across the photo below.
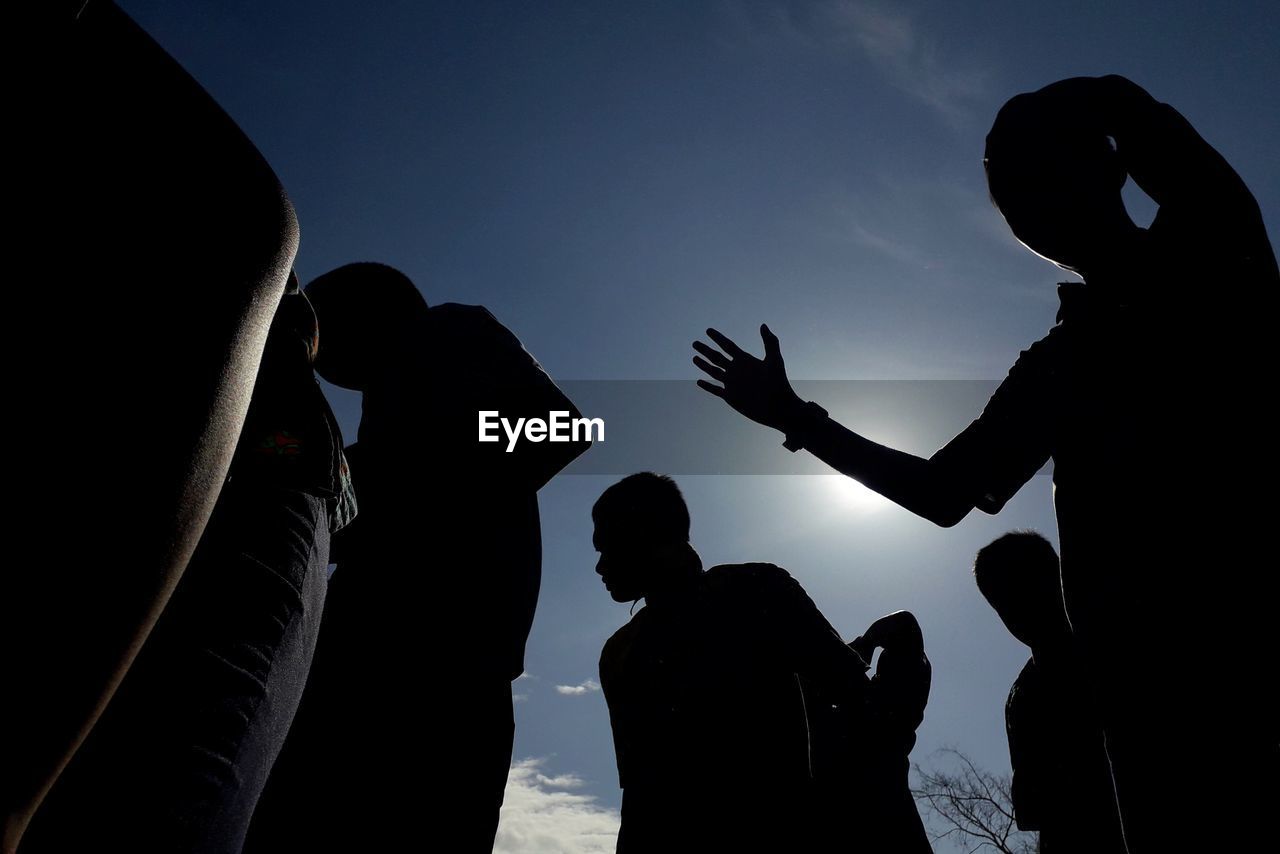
(772, 350)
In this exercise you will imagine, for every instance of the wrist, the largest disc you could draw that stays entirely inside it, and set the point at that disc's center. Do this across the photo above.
(790, 414)
(803, 420)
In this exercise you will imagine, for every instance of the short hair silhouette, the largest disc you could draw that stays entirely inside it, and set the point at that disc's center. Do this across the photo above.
(1061, 783)
(1019, 575)
(647, 502)
(1014, 558)
(362, 307)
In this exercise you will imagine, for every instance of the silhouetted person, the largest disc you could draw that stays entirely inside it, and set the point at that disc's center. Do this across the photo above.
(1061, 780)
(860, 753)
(1143, 395)
(178, 760)
(155, 243)
(708, 690)
(436, 582)
(898, 694)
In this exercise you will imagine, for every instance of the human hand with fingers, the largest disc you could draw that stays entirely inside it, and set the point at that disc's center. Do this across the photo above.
(758, 388)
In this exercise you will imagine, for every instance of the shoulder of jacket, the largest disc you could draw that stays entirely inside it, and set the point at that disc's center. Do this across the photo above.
(755, 575)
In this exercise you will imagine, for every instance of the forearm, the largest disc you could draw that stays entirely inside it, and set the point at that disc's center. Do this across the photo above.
(899, 631)
(1162, 152)
(900, 688)
(905, 479)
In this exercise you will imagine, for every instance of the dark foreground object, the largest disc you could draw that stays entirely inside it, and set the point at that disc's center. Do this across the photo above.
(155, 245)
(177, 762)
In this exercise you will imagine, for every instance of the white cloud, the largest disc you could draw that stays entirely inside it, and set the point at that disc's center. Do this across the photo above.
(579, 689)
(561, 781)
(540, 817)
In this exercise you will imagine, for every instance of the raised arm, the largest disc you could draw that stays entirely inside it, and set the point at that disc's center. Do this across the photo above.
(900, 688)
(912, 482)
(898, 631)
(760, 390)
(1160, 149)
(808, 642)
(1200, 196)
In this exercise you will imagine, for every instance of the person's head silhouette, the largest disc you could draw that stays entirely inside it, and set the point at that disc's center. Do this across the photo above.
(1018, 574)
(1055, 176)
(367, 313)
(642, 535)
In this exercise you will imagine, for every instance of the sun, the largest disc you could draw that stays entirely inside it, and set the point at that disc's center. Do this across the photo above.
(847, 493)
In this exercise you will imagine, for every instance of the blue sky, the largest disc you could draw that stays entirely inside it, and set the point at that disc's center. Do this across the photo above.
(610, 178)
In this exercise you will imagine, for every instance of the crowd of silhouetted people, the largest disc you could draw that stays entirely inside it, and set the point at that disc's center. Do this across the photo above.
(186, 676)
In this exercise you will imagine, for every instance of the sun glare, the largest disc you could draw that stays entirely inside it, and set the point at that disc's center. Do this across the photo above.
(847, 493)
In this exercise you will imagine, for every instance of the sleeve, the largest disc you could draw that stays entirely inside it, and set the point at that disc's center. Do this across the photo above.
(494, 372)
(990, 460)
(808, 642)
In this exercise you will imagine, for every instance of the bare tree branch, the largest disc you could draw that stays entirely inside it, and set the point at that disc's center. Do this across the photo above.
(970, 805)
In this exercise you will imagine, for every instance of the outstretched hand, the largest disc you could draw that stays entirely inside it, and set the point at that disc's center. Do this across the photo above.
(758, 388)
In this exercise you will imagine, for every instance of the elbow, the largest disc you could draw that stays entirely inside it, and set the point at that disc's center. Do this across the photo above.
(944, 497)
(948, 515)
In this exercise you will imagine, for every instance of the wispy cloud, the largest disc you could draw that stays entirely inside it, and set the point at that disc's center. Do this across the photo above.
(890, 39)
(539, 815)
(894, 249)
(578, 690)
(895, 42)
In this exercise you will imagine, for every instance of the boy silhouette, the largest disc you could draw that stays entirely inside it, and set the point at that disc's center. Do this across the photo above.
(735, 706)
(1061, 781)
